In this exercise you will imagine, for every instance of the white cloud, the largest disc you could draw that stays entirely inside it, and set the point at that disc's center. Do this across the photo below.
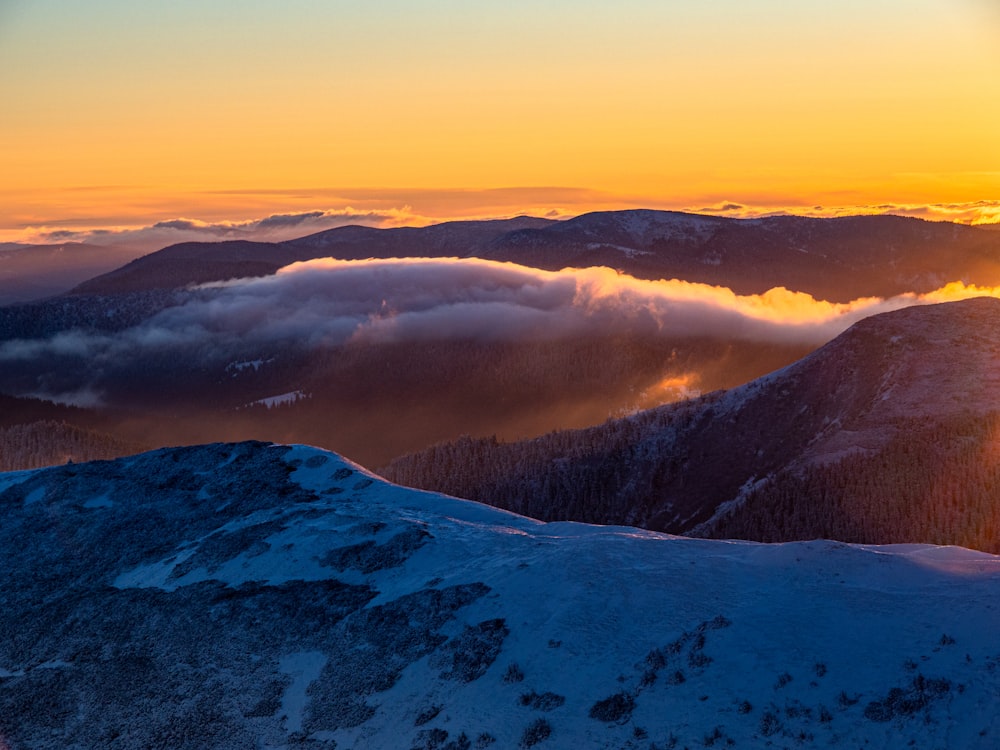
(330, 302)
(407, 299)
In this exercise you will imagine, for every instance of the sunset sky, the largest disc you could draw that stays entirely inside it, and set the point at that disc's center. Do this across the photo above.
(121, 115)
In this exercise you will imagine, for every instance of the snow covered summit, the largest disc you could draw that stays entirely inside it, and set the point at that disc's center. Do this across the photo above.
(256, 595)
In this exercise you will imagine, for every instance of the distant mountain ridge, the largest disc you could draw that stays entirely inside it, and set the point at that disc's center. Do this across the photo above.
(222, 597)
(199, 262)
(920, 385)
(375, 403)
(834, 259)
(837, 259)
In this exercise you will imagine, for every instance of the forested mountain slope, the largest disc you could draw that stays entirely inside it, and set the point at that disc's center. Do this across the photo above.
(36, 433)
(886, 434)
(46, 443)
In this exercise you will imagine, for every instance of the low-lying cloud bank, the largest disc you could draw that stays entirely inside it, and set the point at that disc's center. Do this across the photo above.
(332, 302)
(425, 299)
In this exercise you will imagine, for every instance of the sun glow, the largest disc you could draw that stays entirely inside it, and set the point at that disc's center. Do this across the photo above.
(122, 116)
(673, 387)
(957, 290)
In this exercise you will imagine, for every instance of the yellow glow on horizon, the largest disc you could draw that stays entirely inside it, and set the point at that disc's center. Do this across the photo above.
(125, 213)
(956, 290)
(653, 104)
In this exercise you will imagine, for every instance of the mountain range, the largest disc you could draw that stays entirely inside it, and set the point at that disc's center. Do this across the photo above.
(891, 432)
(117, 343)
(273, 595)
(259, 595)
(832, 259)
(199, 262)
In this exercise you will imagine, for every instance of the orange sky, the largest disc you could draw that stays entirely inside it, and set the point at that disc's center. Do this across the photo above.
(120, 114)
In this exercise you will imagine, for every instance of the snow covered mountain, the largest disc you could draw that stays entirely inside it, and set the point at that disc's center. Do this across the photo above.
(257, 595)
(889, 433)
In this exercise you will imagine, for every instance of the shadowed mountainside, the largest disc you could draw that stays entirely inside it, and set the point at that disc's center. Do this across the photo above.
(834, 259)
(889, 433)
(199, 262)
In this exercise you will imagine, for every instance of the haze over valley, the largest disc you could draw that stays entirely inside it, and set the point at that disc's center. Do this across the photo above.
(378, 357)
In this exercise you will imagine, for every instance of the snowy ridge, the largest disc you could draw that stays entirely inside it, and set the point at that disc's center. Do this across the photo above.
(634, 233)
(894, 365)
(248, 595)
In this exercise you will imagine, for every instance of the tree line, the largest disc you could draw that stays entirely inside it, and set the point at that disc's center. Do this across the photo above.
(47, 443)
(934, 480)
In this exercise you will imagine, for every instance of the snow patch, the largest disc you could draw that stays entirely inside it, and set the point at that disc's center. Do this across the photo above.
(154, 575)
(54, 664)
(282, 398)
(36, 495)
(725, 508)
(237, 368)
(13, 478)
(303, 667)
(99, 502)
(628, 252)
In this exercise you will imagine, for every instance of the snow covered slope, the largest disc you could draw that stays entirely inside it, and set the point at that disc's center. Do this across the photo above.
(253, 595)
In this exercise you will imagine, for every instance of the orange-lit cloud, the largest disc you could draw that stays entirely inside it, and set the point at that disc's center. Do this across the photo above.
(981, 212)
(151, 221)
(273, 228)
(670, 388)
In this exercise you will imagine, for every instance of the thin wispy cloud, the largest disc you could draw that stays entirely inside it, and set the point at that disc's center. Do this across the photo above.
(273, 228)
(973, 212)
(437, 206)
